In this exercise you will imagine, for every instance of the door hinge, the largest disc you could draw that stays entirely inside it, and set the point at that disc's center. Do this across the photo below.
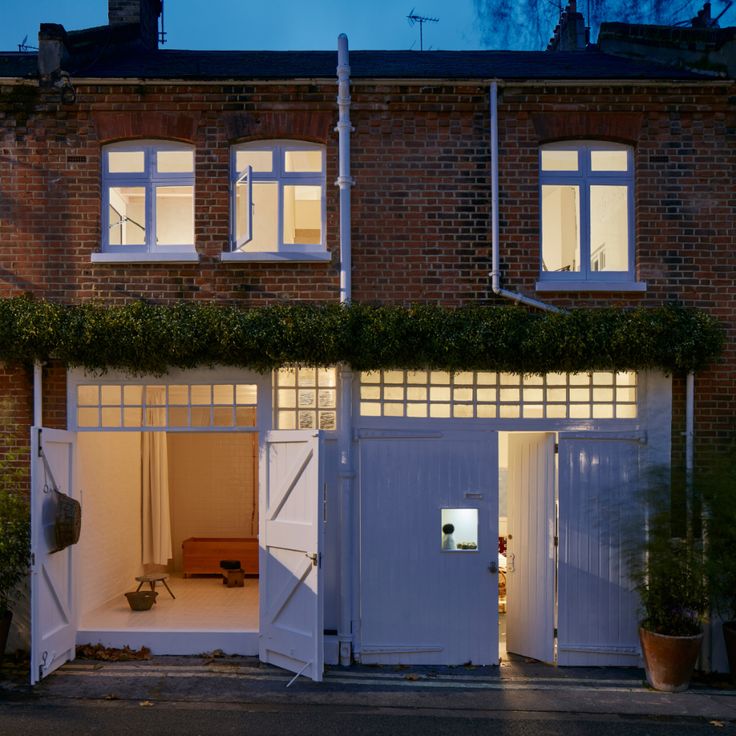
(557, 448)
(33, 559)
(556, 541)
(554, 633)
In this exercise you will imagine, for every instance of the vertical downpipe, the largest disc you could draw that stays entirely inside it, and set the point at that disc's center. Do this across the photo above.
(706, 652)
(345, 428)
(37, 394)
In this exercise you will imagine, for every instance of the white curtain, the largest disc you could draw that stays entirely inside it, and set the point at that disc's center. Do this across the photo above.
(156, 516)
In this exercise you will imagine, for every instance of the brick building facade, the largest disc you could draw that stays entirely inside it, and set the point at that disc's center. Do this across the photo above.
(421, 158)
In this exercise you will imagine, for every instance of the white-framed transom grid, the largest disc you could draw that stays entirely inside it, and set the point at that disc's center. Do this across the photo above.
(162, 406)
(491, 395)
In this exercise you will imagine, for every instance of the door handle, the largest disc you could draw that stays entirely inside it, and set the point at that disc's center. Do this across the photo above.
(493, 568)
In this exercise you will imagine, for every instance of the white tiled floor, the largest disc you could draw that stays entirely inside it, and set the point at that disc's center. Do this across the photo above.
(202, 604)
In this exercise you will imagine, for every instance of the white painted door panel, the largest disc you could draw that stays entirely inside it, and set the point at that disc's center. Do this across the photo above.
(530, 576)
(597, 608)
(420, 604)
(53, 601)
(291, 531)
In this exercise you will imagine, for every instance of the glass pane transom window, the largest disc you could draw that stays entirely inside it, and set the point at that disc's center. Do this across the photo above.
(166, 406)
(278, 190)
(148, 197)
(586, 211)
(305, 398)
(491, 395)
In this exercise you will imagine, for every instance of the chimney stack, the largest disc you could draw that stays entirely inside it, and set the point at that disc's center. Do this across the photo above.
(571, 33)
(143, 12)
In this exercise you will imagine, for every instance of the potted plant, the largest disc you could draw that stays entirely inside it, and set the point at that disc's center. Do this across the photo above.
(719, 494)
(667, 571)
(15, 548)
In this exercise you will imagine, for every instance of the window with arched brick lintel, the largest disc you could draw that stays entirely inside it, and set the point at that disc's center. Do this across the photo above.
(586, 215)
(277, 200)
(148, 198)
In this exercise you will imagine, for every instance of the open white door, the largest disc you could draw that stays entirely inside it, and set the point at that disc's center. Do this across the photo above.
(530, 564)
(291, 531)
(597, 608)
(53, 604)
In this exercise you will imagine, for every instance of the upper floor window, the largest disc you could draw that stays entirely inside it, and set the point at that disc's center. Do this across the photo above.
(148, 198)
(278, 198)
(587, 196)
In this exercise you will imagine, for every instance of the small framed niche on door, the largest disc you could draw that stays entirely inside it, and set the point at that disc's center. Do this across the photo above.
(459, 528)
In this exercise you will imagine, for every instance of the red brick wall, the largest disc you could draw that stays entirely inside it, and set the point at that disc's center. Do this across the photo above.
(16, 417)
(421, 203)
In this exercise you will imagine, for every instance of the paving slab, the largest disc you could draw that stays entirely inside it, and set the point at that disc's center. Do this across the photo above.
(521, 687)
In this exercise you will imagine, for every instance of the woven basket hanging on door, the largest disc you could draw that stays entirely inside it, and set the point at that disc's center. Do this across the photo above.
(67, 514)
(68, 521)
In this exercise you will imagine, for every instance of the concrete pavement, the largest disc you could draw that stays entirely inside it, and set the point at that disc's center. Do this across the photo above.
(517, 686)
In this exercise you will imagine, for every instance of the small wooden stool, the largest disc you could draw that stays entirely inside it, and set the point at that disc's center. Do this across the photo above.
(152, 578)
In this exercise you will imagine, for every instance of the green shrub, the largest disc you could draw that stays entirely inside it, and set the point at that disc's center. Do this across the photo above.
(667, 565)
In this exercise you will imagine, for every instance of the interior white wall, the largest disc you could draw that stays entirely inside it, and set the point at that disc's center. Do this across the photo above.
(109, 553)
(503, 467)
(213, 486)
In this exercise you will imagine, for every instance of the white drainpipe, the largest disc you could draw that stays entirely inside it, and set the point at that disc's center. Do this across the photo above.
(689, 427)
(345, 426)
(37, 394)
(495, 261)
(344, 180)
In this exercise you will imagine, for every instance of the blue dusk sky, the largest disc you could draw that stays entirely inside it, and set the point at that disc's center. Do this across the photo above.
(269, 24)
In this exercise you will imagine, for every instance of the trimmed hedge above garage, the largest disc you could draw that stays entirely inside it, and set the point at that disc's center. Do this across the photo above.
(147, 338)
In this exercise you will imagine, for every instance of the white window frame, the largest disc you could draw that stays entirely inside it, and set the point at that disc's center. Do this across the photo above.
(284, 251)
(586, 279)
(149, 179)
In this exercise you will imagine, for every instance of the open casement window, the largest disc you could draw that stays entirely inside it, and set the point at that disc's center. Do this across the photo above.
(587, 214)
(278, 198)
(148, 197)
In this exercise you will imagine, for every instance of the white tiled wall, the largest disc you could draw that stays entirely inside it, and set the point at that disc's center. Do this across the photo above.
(213, 482)
(109, 552)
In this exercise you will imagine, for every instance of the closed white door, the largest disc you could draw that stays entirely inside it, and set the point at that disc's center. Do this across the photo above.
(598, 508)
(530, 561)
(291, 532)
(53, 600)
(426, 599)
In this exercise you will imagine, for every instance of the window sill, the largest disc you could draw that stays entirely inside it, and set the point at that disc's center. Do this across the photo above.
(321, 257)
(591, 286)
(145, 258)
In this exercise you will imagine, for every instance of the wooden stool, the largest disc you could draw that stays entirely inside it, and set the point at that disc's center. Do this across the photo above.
(152, 578)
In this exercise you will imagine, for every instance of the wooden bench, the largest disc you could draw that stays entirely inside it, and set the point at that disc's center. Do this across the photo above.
(202, 555)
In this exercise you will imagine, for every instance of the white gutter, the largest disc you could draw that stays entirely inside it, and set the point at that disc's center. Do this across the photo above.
(495, 260)
(37, 394)
(346, 472)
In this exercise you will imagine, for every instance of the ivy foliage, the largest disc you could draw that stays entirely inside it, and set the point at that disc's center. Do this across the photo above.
(147, 338)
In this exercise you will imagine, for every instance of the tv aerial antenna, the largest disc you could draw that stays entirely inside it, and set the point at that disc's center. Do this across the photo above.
(414, 18)
(23, 46)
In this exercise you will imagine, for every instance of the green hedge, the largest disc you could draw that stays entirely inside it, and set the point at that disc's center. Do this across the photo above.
(146, 338)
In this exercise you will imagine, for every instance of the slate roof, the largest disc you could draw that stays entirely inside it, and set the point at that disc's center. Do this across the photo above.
(272, 65)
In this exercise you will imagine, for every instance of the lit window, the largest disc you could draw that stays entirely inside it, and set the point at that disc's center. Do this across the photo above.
(587, 212)
(278, 201)
(148, 197)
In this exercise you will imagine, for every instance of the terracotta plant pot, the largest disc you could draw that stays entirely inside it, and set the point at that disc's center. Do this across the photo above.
(141, 600)
(669, 661)
(5, 620)
(729, 635)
